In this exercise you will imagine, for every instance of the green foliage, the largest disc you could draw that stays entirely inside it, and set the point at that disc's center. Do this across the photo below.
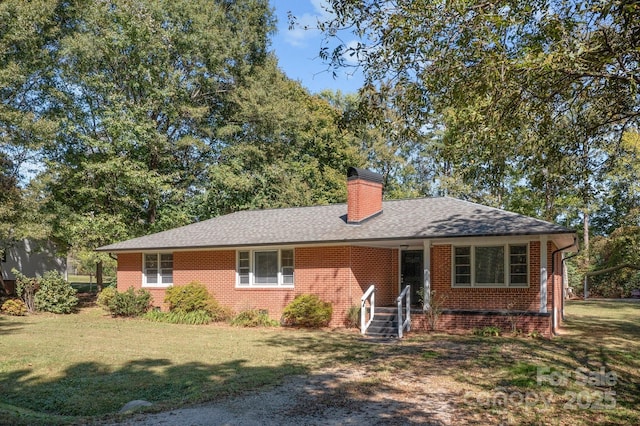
(197, 317)
(26, 289)
(353, 317)
(14, 307)
(194, 297)
(187, 298)
(55, 294)
(489, 330)
(307, 310)
(522, 109)
(130, 303)
(105, 297)
(621, 247)
(253, 318)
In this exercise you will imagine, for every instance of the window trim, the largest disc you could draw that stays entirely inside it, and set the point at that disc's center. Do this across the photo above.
(159, 283)
(251, 268)
(507, 266)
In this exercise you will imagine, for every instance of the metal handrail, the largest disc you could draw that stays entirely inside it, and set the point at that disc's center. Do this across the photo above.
(406, 324)
(370, 295)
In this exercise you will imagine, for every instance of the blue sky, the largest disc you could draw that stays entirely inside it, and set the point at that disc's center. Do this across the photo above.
(297, 50)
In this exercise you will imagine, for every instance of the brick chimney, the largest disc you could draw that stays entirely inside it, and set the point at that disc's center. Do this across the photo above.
(364, 195)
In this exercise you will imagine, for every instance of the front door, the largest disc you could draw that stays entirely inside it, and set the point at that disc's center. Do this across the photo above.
(412, 273)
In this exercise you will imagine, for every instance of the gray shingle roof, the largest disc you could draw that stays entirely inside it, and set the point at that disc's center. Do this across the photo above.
(420, 218)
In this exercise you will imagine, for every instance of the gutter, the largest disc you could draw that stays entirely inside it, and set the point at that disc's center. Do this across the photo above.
(553, 284)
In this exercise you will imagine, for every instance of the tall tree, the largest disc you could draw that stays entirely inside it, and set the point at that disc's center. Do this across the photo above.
(284, 147)
(131, 92)
(9, 209)
(496, 80)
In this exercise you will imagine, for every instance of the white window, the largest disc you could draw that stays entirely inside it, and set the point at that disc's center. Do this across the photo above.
(491, 266)
(265, 268)
(158, 270)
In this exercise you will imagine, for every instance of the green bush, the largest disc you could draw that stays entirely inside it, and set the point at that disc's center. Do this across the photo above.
(254, 318)
(307, 310)
(26, 289)
(55, 294)
(194, 297)
(105, 297)
(187, 298)
(14, 307)
(198, 317)
(489, 330)
(130, 303)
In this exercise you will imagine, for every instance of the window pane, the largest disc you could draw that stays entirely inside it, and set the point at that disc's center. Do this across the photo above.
(266, 267)
(167, 276)
(462, 265)
(166, 261)
(489, 266)
(151, 260)
(519, 280)
(152, 276)
(287, 275)
(463, 251)
(518, 266)
(287, 258)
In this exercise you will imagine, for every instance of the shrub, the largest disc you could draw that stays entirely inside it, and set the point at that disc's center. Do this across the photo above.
(489, 330)
(130, 303)
(105, 297)
(26, 289)
(187, 298)
(353, 317)
(55, 294)
(14, 307)
(176, 317)
(194, 297)
(307, 310)
(254, 318)
(218, 312)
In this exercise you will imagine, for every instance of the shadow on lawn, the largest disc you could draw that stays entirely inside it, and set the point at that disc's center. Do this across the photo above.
(8, 327)
(89, 392)
(93, 389)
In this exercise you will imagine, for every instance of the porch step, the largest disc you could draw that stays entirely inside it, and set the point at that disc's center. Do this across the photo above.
(384, 323)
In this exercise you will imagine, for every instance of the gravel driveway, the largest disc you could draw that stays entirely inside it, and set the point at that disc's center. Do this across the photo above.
(331, 397)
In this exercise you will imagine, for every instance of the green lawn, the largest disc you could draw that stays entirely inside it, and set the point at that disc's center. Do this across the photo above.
(82, 367)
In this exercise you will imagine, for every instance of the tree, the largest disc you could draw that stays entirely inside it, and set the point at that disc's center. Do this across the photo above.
(9, 208)
(130, 94)
(283, 147)
(523, 97)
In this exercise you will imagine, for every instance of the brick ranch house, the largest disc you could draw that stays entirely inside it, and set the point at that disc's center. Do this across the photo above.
(486, 266)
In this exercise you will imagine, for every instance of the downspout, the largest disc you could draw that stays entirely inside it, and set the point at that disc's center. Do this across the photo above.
(553, 284)
(562, 272)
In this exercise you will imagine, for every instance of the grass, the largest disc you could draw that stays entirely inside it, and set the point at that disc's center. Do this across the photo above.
(83, 367)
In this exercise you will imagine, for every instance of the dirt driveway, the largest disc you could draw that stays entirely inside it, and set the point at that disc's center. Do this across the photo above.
(330, 397)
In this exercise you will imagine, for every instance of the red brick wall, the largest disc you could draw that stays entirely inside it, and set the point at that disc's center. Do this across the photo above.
(341, 274)
(522, 299)
(336, 274)
(463, 322)
(129, 271)
(364, 199)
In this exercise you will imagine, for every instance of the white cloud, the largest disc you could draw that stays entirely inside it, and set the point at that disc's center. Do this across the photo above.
(306, 27)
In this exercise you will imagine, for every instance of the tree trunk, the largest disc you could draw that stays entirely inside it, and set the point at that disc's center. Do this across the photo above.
(99, 275)
(585, 228)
